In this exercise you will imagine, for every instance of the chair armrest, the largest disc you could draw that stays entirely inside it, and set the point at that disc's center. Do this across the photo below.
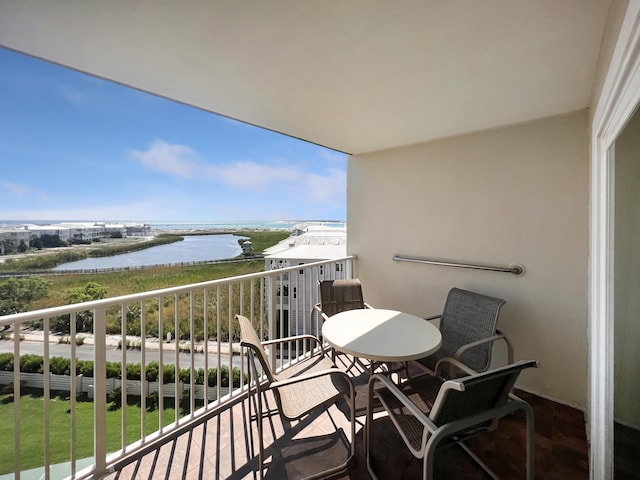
(508, 344)
(454, 363)
(318, 309)
(292, 339)
(492, 339)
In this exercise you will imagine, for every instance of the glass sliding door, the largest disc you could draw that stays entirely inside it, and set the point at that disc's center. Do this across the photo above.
(626, 324)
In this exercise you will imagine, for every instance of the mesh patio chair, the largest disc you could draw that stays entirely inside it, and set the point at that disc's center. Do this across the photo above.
(468, 327)
(308, 385)
(431, 412)
(337, 296)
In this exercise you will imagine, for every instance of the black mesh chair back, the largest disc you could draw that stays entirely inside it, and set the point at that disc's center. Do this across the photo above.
(340, 295)
(467, 317)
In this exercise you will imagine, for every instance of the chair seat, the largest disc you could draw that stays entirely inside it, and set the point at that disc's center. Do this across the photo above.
(421, 393)
(300, 398)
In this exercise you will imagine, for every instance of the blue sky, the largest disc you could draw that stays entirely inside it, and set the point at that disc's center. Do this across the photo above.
(74, 147)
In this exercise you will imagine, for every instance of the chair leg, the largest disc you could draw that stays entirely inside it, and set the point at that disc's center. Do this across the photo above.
(260, 437)
(427, 462)
(479, 461)
(352, 418)
(368, 430)
(257, 399)
(528, 410)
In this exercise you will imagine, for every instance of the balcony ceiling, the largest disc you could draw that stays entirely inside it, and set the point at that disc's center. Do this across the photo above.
(355, 75)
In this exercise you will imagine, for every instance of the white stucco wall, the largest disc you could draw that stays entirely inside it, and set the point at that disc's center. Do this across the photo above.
(511, 195)
(627, 274)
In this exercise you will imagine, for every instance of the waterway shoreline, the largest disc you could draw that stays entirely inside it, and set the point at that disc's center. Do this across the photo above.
(49, 260)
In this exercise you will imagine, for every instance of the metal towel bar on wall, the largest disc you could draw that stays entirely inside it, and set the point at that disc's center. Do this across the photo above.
(516, 269)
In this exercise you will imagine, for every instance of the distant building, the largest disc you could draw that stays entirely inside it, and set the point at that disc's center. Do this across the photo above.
(138, 229)
(38, 231)
(85, 232)
(12, 237)
(308, 243)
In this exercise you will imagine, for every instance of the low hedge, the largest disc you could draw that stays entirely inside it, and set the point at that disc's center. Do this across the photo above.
(62, 366)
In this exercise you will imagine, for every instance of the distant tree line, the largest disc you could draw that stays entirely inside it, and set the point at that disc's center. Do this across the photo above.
(18, 293)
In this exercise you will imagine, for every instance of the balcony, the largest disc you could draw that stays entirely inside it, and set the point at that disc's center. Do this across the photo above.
(208, 433)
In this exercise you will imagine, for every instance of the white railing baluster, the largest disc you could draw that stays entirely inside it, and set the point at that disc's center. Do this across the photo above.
(219, 345)
(144, 384)
(160, 364)
(262, 300)
(123, 374)
(99, 388)
(192, 379)
(73, 370)
(47, 399)
(16, 399)
(271, 318)
(176, 327)
(230, 342)
(205, 333)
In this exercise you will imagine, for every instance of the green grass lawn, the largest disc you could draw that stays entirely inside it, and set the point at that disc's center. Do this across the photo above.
(32, 429)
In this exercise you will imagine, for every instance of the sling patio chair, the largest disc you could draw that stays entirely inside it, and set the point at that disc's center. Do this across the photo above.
(468, 327)
(337, 296)
(311, 384)
(431, 412)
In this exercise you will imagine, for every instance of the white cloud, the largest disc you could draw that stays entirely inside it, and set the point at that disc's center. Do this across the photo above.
(254, 176)
(279, 184)
(169, 158)
(329, 188)
(183, 161)
(15, 189)
(141, 211)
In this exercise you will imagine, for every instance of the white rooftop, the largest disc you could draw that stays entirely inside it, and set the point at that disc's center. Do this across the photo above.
(318, 242)
(311, 252)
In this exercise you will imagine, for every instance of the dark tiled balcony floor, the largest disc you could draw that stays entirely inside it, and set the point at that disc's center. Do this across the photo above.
(222, 447)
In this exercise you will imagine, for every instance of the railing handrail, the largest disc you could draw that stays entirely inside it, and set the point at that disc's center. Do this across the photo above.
(133, 297)
(516, 269)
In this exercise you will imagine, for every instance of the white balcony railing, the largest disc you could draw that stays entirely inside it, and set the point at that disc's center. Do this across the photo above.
(200, 315)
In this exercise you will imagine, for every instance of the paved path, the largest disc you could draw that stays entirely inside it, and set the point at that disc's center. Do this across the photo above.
(114, 354)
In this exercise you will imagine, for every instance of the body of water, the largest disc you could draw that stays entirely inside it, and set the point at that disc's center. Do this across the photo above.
(194, 248)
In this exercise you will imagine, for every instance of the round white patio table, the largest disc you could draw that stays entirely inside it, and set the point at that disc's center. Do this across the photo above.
(381, 335)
